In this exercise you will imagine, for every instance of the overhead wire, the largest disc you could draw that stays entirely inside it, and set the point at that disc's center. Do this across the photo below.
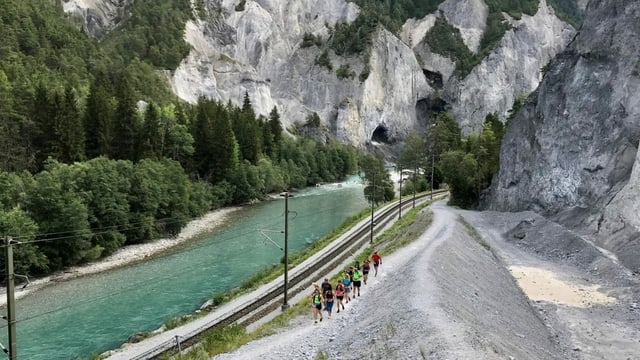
(137, 285)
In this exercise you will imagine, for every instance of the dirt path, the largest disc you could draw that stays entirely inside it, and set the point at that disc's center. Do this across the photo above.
(450, 295)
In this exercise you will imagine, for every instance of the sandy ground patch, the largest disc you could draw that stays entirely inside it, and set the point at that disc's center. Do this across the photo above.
(543, 285)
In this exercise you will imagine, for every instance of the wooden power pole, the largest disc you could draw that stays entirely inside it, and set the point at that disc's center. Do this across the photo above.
(11, 306)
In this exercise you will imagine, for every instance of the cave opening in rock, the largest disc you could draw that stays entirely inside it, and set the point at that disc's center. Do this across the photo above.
(381, 135)
(434, 79)
(429, 108)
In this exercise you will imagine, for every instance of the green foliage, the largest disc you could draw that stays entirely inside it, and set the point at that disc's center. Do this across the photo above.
(153, 33)
(517, 105)
(56, 204)
(323, 60)
(355, 37)
(392, 14)
(496, 23)
(105, 185)
(568, 11)
(27, 258)
(469, 167)
(309, 40)
(446, 40)
(379, 188)
(344, 72)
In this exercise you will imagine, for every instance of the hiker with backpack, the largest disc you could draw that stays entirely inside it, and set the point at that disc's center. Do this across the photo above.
(316, 303)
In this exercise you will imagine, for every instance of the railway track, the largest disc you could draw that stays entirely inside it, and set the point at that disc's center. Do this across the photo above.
(300, 277)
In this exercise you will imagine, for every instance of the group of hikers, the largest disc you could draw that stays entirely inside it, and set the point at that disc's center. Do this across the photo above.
(347, 287)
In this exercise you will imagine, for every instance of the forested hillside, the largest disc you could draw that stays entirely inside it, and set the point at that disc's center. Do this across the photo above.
(85, 168)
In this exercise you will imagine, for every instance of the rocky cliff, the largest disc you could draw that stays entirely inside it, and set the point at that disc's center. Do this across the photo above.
(572, 151)
(100, 16)
(258, 50)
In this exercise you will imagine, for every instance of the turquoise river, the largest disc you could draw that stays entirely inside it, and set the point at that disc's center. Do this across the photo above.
(78, 318)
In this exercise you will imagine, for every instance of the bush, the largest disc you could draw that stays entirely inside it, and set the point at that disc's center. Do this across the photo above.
(309, 40)
(323, 60)
(344, 72)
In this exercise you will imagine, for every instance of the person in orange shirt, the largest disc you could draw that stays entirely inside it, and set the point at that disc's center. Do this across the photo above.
(377, 261)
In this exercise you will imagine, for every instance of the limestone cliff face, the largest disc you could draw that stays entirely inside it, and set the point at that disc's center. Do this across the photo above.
(572, 152)
(100, 16)
(258, 50)
(511, 70)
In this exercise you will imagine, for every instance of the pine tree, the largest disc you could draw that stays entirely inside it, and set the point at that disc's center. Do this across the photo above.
(225, 148)
(273, 132)
(245, 128)
(15, 154)
(202, 135)
(151, 136)
(98, 117)
(43, 117)
(124, 144)
(69, 141)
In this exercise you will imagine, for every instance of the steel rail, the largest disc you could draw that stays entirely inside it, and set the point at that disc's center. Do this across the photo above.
(336, 254)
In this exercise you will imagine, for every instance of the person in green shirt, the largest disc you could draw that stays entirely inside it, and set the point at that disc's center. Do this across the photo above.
(357, 281)
(316, 303)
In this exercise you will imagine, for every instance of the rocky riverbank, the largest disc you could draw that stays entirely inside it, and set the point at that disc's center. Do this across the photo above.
(131, 254)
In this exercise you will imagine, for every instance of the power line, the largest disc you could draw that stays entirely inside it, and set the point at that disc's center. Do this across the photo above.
(149, 282)
(121, 227)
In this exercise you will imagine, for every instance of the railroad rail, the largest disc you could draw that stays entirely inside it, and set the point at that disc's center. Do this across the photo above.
(269, 297)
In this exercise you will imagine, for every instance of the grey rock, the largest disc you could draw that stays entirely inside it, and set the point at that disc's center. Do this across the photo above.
(99, 16)
(258, 51)
(572, 151)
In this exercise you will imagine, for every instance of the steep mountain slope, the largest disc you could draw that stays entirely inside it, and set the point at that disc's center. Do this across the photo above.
(381, 94)
(572, 151)
(259, 50)
(100, 16)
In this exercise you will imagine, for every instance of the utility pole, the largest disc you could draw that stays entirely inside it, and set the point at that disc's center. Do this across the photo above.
(11, 306)
(433, 160)
(285, 305)
(415, 184)
(373, 196)
(400, 207)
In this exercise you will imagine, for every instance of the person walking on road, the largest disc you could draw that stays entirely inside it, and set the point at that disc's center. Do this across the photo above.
(340, 295)
(377, 261)
(316, 303)
(326, 285)
(366, 266)
(357, 282)
(346, 282)
(328, 301)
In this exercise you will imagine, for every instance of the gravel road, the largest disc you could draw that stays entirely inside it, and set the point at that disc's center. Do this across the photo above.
(501, 293)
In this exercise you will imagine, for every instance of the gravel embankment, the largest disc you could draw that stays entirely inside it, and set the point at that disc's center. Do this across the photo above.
(445, 296)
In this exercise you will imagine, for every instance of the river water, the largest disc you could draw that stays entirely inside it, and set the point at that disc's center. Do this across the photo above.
(89, 315)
